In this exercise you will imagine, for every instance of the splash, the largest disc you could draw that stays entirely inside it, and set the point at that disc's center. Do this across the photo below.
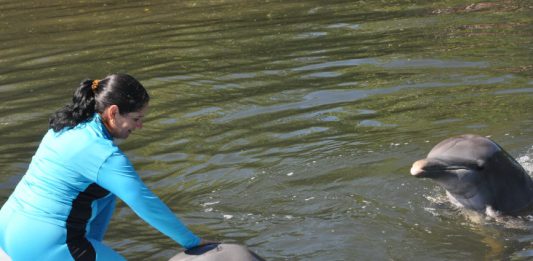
(527, 161)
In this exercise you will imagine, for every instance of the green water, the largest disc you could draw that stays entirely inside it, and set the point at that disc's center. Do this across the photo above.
(288, 126)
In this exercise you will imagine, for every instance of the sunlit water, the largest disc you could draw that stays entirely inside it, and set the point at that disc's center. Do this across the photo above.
(288, 126)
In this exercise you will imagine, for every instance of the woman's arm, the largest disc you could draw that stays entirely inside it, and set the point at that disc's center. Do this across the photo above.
(119, 177)
(98, 225)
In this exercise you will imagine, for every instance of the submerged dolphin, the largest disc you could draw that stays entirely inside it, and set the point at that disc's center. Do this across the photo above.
(213, 252)
(478, 174)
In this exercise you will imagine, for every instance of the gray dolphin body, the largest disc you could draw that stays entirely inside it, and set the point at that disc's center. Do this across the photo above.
(478, 174)
(214, 252)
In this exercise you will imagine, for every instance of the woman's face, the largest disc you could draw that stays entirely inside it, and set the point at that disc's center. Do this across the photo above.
(121, 126)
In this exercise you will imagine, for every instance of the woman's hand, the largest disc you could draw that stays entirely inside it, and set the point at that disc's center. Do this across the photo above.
(207, 242)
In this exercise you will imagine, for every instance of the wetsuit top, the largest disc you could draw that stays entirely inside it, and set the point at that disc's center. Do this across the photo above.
(69, 180)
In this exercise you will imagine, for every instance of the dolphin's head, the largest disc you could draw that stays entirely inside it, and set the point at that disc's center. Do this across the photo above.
(459, 165)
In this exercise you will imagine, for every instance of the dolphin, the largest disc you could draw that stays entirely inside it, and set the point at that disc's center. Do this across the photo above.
(217, 251)
(478, 174)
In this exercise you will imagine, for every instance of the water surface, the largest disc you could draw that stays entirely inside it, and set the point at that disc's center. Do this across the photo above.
(288, 126)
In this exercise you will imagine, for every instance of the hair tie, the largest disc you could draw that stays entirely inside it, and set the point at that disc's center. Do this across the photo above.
(95, 85)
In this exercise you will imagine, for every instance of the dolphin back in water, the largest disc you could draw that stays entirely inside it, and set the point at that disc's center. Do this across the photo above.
(478, 174)
(214, 252)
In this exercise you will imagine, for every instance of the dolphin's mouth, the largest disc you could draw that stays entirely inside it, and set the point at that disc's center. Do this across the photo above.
(430, 168)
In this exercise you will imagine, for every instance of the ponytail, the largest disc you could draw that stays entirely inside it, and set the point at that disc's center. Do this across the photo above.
(96, 95)
(81, 109)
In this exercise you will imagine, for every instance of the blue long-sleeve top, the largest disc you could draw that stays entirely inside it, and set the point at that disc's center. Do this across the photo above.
(72, 181)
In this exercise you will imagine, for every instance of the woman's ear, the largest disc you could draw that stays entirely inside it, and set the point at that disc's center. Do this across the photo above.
(110, 114)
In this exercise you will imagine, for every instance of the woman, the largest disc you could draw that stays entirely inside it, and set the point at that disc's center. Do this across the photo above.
(62, 206)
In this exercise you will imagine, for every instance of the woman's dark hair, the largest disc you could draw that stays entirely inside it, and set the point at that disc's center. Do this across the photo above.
(96, 95)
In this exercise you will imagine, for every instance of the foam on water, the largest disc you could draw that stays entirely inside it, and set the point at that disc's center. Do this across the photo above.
(527, 161)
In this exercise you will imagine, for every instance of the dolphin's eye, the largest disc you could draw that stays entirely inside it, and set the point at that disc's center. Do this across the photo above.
(480, 165)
